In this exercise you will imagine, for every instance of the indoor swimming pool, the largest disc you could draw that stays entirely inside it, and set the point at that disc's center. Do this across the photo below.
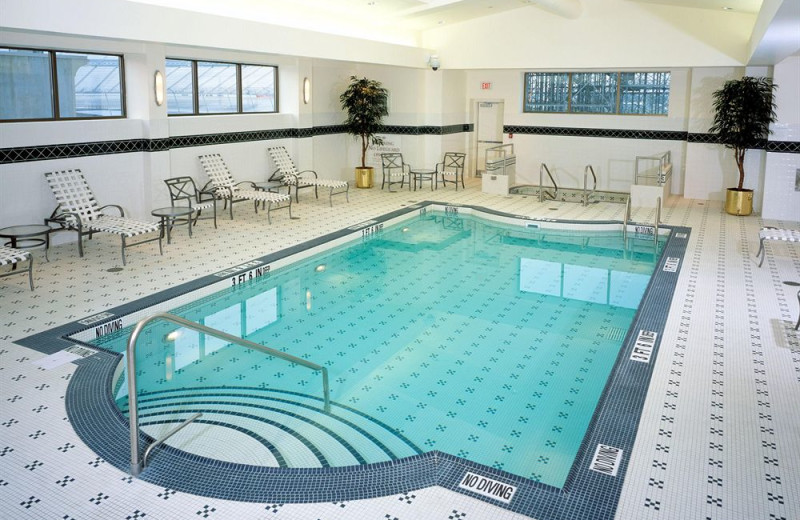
(464, 349)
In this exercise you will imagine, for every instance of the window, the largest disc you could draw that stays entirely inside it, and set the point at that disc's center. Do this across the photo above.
(546, 92)
(180, 87)
(209, 87)
(594, 93)
(644, 93)
(36, 84)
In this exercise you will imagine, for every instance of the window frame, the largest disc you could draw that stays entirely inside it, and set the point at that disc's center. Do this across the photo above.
(54, 87)
(618, 95)
(239, 94)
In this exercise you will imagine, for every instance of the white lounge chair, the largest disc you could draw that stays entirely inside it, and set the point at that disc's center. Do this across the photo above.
(13, 256)
(79, 211)
(770, 233)
(226, 188)
(288, 174)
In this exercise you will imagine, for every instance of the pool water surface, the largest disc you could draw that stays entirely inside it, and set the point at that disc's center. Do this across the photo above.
(488, 341)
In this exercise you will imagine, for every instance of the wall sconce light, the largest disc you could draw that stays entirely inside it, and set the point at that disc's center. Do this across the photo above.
(306, 90)
(158, 83)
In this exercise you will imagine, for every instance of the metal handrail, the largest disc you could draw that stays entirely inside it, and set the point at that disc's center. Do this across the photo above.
(137, 464)
(658, 218)
(543, 168)
(625, 220)
(594, 188)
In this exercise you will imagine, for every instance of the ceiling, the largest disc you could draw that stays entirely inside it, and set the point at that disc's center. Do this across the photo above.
(340, 16)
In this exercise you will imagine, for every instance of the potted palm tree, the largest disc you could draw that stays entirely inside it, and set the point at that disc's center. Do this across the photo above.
(743, 111)
(366, 103)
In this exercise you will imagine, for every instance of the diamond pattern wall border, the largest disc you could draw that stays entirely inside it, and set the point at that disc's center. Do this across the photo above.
(63, 151)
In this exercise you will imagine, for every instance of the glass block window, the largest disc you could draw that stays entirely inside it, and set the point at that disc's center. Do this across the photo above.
(89, 85)
(44, 84)
(217, 88)
(594, 92)
(258, 88)
(546, 92)
(644, 93)
(180, 87)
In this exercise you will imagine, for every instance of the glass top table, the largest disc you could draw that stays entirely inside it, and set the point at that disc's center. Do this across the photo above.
(422, 175)
(172, 214)
(27, 236)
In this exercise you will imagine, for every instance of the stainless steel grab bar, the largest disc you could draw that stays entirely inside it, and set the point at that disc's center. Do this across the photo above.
(543, 168)
(658, 219)
(625, 220)
(594, 187)
(137, 464)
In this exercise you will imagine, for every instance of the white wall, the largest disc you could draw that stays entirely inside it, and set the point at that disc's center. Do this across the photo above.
(781, 194)
(609, 33)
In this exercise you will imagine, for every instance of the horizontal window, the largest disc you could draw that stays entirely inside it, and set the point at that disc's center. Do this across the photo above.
(597, 92)
(37, 84)
(208, 87)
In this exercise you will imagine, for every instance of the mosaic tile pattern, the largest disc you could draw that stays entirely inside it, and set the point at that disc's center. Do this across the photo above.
(676, 470)
(61, 151)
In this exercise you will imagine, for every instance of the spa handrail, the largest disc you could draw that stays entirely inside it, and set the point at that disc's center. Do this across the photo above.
(543, 168)
(137, 463)
(658, 218)
(586, 193)
(625, 220)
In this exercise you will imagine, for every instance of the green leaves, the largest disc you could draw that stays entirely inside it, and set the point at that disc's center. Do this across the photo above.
(743, 110)
(366, 103)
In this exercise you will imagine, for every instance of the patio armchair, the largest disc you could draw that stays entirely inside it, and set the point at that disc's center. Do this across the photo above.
(451, 166)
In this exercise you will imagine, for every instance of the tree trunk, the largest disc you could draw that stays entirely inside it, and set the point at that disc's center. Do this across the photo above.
(364, 146)
(739, 152)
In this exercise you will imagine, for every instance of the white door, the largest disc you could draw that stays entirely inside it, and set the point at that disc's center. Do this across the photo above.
(488, 131)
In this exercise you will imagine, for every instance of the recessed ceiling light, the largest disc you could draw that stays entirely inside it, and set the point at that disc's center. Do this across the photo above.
(727, 8)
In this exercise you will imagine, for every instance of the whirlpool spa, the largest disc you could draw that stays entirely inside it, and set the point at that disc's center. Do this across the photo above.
(498, 356)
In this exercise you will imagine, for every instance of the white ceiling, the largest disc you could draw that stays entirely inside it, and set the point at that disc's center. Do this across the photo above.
(396, 15)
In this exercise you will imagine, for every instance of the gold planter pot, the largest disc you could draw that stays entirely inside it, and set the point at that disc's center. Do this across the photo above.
(364, 177)
(739, 202)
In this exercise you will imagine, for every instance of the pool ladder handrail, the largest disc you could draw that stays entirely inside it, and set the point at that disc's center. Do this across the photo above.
(543, 168)
(586, 193)
(658, 219)
(625, 219)
(137, 463)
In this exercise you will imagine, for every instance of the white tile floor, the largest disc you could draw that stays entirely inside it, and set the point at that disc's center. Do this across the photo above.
(719, 436)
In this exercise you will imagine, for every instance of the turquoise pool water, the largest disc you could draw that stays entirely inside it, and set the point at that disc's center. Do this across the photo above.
(492, 342)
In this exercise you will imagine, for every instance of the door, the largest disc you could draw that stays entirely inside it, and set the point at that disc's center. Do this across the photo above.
(488, 131)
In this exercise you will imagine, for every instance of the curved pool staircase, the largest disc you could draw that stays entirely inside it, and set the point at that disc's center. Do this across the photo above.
(270, 427)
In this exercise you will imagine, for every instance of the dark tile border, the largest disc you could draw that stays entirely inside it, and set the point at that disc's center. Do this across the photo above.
(586, 494)
(64, 151)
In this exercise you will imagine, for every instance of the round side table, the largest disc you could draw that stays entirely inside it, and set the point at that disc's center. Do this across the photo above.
(169, 215)
(27, 236)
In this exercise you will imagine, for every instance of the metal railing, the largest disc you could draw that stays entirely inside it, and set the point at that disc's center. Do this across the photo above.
(663, 174)
(586, 193)
(658, 219)
(138, 463)
(625, 219)
(542, 169)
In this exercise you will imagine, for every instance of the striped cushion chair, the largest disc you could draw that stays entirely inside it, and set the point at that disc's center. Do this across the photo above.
(771, 233)
(79, 211)
(227, 189)
(12, 256)
(288, 174)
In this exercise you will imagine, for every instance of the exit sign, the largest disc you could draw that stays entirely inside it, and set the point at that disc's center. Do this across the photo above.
(486, 86)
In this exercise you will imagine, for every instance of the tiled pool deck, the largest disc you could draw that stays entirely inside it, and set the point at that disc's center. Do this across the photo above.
(719, 435)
